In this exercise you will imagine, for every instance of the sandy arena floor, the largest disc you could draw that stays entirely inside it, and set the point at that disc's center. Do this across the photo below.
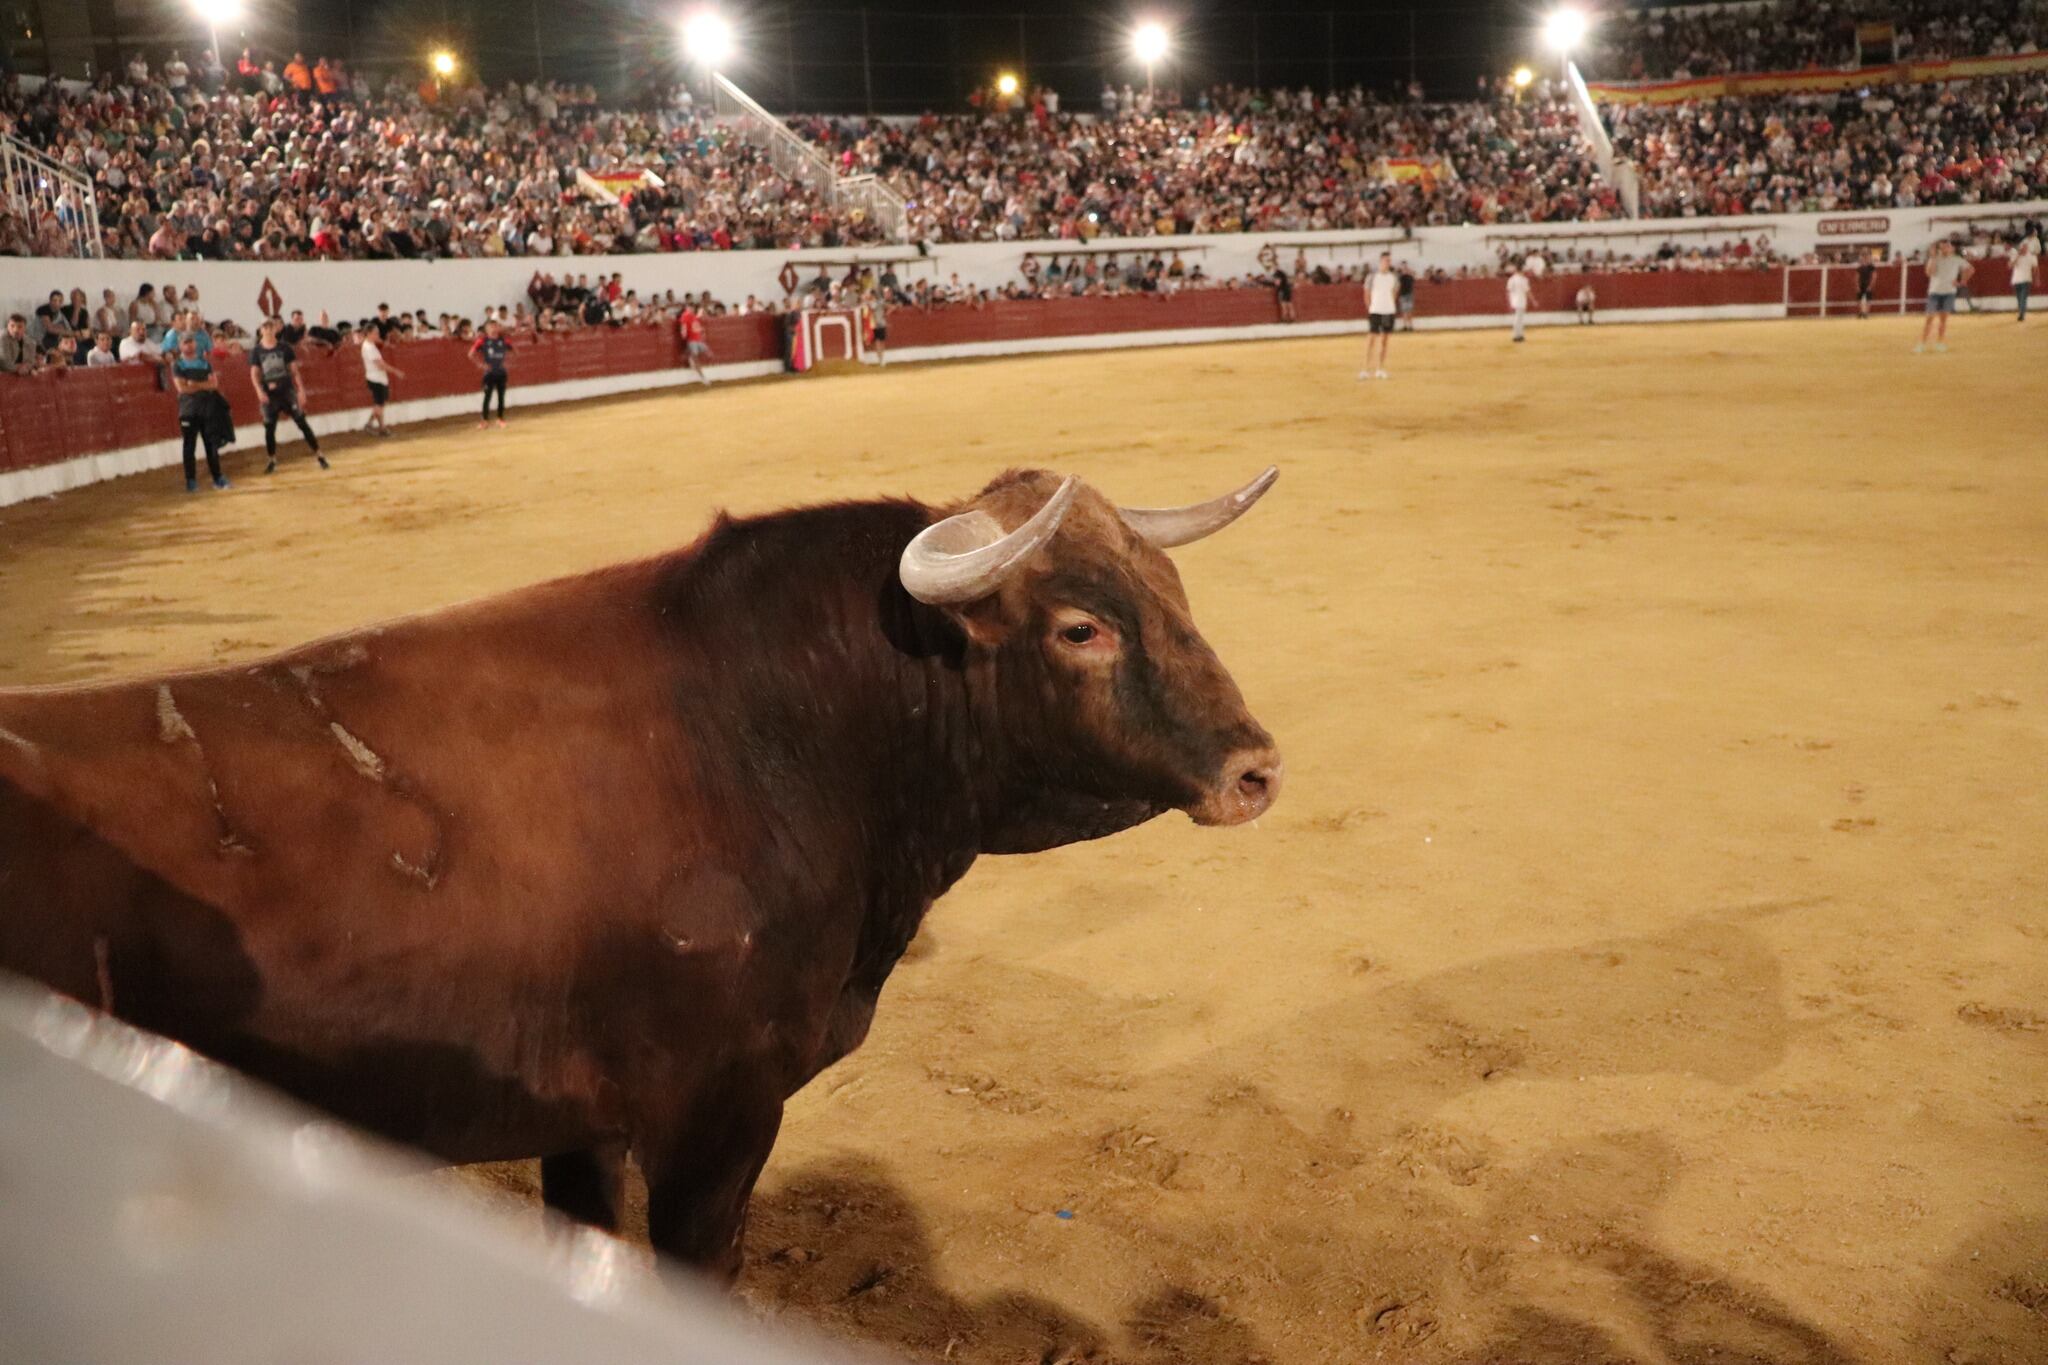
(1645, 961)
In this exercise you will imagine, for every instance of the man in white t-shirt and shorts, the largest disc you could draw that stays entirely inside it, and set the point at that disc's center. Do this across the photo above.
(377, 372)
(1382, 303)
(1946, 273)
(2026, 264)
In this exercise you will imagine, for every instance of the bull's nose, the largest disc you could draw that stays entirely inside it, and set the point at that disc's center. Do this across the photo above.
(1249, 786)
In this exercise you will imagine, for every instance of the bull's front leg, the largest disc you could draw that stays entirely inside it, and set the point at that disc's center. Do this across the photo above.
(586, 1185)
(701, 1167)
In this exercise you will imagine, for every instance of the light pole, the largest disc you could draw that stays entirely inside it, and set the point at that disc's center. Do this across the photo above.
(216, 13)
(1150, 42)
(1564, 30)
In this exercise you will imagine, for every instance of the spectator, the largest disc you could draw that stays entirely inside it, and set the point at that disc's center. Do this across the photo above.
(18, 354)
(138, 346)
(110, 317)
(54, 331)
(102, 352)
(201, 410)
(299, 77)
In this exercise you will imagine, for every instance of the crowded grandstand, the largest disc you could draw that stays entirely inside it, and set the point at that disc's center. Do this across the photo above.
(286, 158)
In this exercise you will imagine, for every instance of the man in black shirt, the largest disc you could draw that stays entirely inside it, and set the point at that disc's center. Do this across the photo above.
(274, 375)
(1866, 276)
(596, 312)
(384, 322)
(293, 332)
(488, 355)
(58, 334)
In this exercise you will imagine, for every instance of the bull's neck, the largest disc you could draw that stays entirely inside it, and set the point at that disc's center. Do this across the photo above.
(841, 709)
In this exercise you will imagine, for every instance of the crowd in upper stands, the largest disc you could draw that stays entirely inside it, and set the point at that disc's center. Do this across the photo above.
(1896, 146)
(1228, 160)
(296, 165)
(1793, 35)
(305, 159)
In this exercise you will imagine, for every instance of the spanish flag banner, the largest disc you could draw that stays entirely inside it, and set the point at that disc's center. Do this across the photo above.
(610, 186)
(1425, 169)
(1818, 81)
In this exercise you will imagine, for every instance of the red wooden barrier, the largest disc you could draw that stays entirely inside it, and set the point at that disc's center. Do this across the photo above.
(68, 413)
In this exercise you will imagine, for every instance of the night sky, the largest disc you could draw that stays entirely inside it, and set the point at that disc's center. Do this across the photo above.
(810, 56)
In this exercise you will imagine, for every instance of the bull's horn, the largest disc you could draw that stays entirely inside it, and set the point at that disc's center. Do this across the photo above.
(967, 557)
(1167, 527)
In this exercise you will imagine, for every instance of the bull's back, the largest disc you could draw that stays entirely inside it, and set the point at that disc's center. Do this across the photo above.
(399, 843)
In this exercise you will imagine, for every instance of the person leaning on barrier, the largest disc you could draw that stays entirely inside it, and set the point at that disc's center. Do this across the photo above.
(18, 354)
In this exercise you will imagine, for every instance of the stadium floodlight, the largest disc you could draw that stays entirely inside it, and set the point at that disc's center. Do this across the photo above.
(443, 63)
(707, 39)
(1150, 42)
(1006, 84)
(1565, 29)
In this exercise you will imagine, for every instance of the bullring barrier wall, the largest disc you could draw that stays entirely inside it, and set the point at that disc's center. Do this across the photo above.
(71, 427)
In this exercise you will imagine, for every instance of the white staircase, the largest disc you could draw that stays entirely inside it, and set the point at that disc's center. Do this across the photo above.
(800, 161)
(38, 187)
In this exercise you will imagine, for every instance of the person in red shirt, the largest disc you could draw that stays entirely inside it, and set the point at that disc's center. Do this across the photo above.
(695, 351)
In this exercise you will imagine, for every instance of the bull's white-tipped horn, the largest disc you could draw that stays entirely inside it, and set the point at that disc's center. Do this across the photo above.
(1167, 527)
(967, 557)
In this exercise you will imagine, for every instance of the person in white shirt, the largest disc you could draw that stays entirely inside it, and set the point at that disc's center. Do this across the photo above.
(1534, 265)
(137, 345)
(1382, 302)
(377, 372)
(2025, 266)
(1518, 298)
(1585, 302)
(102, 352)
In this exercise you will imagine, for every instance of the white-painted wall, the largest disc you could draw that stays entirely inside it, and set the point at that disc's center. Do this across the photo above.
(353, 289)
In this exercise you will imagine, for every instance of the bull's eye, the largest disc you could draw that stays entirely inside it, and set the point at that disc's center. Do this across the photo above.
(1079, 634)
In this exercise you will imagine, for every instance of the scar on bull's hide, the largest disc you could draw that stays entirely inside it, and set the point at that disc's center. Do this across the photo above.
(425, 876)
(365, 758)
(172, 727)
(170, 721)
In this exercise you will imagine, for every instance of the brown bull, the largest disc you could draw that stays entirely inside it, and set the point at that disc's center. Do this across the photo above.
(618, 863)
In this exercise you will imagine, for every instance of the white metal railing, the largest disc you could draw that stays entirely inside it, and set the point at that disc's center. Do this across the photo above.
(800, 161)
(1618, 172)
(56, 203)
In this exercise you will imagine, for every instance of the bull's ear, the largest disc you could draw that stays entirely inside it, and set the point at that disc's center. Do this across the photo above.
(966, 558)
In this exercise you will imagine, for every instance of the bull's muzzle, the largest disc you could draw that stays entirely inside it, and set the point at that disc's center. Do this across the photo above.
(1248, 786)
